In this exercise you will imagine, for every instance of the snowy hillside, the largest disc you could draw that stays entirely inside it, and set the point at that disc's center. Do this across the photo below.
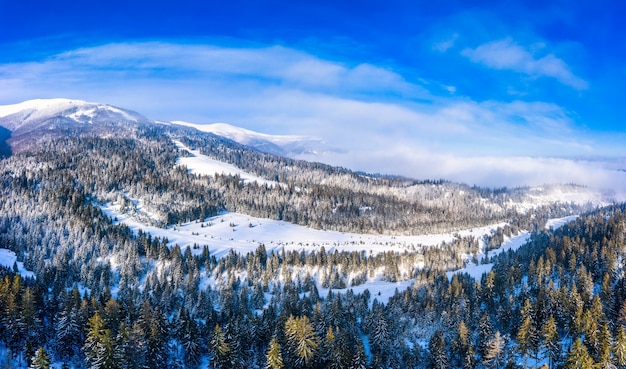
(198, 163)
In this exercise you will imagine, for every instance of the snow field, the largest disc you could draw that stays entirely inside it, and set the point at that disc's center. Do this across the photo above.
(204, 165)
(8, 259)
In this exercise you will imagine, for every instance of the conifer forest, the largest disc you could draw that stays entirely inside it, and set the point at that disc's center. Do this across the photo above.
(87, 290)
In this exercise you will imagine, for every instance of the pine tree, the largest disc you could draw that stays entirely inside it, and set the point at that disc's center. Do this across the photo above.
(220, 349)
(551, 342)
(494, 354)
(274, 357)
(41, 360)
(99, 345)
(438, 359)
(303, 343)
(67, 333)
(485, 332)
(578, 357)
(619, 347)
(130, 350)
(525, 339)
(358, 359)
(380, 336)
(605, 361)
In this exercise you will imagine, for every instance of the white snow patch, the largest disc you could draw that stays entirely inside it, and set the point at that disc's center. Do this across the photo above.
(204, 165)
(476, 271)
(8, 258)
(557, 223)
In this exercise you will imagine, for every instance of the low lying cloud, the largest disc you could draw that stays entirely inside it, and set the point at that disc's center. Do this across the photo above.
(506, 54)
(380, 121)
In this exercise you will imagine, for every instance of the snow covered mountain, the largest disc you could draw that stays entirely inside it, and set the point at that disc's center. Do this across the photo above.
(61, 116)
(285, 145)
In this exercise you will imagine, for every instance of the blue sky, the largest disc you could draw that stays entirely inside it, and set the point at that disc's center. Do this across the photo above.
(489, 93)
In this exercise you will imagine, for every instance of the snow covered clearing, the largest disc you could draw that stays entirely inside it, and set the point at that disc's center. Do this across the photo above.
(204, 165)
(8, 258)
(476, 271)
(379, 289)
(557, 223)
(243, 233)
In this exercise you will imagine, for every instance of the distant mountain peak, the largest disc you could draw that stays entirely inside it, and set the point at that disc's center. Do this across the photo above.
(29, 120)
(285, 145)
(39, 111)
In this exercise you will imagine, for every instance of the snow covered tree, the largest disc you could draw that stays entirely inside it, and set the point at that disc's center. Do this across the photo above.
(41, 360)
(551, 342)
(99, 345)
(274, 357)
(302, 342)
(494, 354)
(438, 358)
(527, 339)
(578, 357)
(619, 347)
(220, 349)
(359, 360)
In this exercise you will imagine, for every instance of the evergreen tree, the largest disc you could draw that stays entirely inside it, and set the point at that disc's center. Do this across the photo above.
(99, 345)
(605, 360)
(220, 349)
(578, 357)
(485, 333)
(494, 354)
(41, 360)
(438, 359)
(551, 342)
(274, 357)
(619, 347)
(525, 339)
(302, 341)
(359, 361)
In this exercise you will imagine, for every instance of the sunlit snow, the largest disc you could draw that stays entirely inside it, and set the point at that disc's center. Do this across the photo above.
(244, 233)
(204, 165)
(476, 271)
(557, 223)
(8, 259)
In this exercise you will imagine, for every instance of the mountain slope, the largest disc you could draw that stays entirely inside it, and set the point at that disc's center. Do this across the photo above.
(292, 146)
(61, 117)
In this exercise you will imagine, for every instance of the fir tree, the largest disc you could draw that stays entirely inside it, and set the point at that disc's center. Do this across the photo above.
(220, 349)
(438, 359)
(303, 343)
(358, 360)
(619, 347)
(578, 357)
(494, 354)
(551, 342)
(274, 357)
(99, 345)
(41, 360)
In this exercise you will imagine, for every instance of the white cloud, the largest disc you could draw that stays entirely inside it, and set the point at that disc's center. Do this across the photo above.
(445, 45)
(506, 54)
(285, 91)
